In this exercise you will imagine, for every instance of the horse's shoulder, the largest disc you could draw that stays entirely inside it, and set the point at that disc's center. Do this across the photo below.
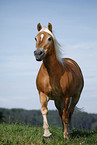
(42, 80)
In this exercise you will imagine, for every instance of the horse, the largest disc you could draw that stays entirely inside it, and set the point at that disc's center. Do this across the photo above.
(59, 79)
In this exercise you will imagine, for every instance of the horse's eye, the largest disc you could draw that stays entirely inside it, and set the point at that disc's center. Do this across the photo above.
(35, 39)
(50, 38)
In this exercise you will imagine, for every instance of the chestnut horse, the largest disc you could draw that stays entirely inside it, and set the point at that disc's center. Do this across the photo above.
(58, 79)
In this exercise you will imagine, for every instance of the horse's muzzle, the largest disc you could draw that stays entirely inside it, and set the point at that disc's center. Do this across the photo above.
(39, 54)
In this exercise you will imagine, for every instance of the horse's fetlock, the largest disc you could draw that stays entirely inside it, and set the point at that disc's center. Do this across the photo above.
(45, 126)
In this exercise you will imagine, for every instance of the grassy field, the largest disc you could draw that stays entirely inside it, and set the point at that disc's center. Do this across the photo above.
(18, 134)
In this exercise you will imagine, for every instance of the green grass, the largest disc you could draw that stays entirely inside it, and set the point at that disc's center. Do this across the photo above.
(18, 134)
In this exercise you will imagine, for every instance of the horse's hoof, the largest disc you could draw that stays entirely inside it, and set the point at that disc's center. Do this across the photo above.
(47, 135)
(66, 136)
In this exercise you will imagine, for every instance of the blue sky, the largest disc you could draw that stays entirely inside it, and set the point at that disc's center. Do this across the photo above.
(75, 27)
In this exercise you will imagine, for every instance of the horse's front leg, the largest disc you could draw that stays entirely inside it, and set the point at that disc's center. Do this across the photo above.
(44, 111)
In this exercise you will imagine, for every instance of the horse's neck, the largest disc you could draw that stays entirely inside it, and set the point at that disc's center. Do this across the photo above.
(52, 65)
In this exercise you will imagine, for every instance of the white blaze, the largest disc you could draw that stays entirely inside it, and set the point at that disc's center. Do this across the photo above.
(42, 35)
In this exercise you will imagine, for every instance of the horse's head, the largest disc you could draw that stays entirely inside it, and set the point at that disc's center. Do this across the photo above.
(44, 42)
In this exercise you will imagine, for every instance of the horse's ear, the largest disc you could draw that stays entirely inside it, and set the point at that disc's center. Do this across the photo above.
(50, 26)
(39, 27)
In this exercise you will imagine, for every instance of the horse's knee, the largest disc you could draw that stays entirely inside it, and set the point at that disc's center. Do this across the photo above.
(44, 110)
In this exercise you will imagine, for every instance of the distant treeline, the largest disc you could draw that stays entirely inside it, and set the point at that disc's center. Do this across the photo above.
(80, 120)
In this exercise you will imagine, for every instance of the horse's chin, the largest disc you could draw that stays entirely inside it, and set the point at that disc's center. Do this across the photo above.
(38, 59)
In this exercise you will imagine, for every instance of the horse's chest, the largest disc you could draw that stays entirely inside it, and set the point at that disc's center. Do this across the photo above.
(56, 90)
(52, 89)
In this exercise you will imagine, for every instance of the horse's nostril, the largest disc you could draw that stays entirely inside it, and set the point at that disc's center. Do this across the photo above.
(40, 52)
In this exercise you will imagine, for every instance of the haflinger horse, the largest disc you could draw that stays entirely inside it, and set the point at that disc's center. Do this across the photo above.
(59, 79)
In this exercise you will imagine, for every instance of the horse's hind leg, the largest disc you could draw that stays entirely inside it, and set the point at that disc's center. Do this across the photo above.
(66, 116)
(44, 111)
(74, 101)
(69, 127)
